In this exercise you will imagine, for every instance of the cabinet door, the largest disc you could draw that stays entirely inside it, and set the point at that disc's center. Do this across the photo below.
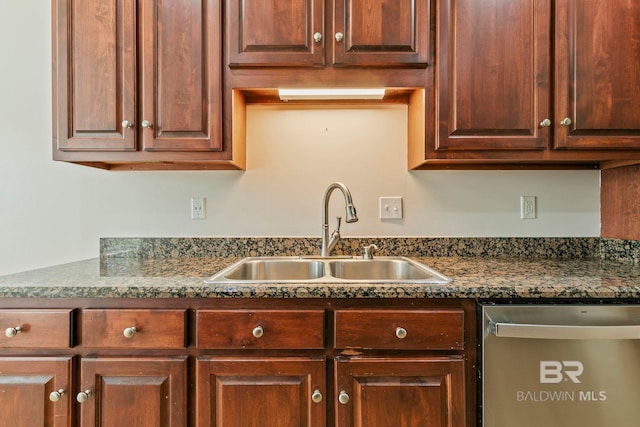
(275, 32)
(265, 392)
(381, 32)
(597, 74)
(372, 392)
(94, 70)
(25, 386)
(493, 75)
(134, 392)
(180, 75)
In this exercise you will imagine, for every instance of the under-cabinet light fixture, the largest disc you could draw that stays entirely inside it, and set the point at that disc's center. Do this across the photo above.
(329, 94)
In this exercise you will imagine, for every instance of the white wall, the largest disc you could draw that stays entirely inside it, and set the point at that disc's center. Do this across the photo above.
(51, 212)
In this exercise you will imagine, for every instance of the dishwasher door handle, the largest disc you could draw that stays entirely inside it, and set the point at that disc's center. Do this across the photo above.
(565, 332)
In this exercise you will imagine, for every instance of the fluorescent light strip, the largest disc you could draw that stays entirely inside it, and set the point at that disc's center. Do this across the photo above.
(329, 94)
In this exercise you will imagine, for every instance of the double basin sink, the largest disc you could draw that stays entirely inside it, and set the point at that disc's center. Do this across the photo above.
(328, 270)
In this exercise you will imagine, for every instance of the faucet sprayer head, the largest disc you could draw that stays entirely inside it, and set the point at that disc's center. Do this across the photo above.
(351, 214)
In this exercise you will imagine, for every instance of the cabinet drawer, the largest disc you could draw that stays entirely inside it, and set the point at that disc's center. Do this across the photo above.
(400, 329)
(133, 328)
(264, 329)
(35, 328)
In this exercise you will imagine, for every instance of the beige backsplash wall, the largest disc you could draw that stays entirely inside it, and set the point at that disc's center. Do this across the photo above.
(52, 212)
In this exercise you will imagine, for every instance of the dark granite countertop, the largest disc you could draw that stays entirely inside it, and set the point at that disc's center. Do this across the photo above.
(473, 277)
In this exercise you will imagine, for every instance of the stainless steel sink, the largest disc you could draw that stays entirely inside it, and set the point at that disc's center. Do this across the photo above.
(328, 270)
(275, 269)
(385, 270)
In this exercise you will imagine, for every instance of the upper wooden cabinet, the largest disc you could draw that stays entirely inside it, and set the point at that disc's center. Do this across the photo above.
(525, 82)
(138, 82)
(493, 75)
(304, 33)
(597, 47)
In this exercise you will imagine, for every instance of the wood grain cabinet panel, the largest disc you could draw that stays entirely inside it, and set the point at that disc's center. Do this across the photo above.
(597, 74)
(142, 391)
(382, 392)
(493, 75)
(133, 329)
(95, 74)
(261, 392)
(25, 386)
(35, 328)
(275, 32)
(381, 33)
(400, 329)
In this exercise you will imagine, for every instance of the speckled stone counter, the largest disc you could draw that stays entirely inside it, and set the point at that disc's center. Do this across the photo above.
(473, 277)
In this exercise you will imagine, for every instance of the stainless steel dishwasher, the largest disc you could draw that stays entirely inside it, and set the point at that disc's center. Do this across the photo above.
(560, 365)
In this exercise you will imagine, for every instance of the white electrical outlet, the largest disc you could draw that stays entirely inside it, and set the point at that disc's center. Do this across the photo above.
(390, 207)
(527, 207)
(198, 208)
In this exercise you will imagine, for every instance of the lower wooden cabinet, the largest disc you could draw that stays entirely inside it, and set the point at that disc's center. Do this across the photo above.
(35, 391)
(400, 392)
(237, 363)
(260, 392)
(141, 391)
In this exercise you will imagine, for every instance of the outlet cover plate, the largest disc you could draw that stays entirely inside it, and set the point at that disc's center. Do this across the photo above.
(198, 208)
(527, 207)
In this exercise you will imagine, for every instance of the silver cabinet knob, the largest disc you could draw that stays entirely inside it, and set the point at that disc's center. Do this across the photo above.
(566, 121)
(401, 332)
(258, 331)
(545, 123)
(317, 37)
(339, 37)
(127, 124)
(83, 396)
(146, 124)
(316, 397)
(55, 396)
(343, 397)
(12, 332)
(129, 332)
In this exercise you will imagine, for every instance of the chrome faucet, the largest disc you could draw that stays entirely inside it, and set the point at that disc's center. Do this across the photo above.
(328, 243)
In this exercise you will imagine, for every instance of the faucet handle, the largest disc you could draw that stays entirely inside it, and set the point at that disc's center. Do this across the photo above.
(339, 220)
(367, 251)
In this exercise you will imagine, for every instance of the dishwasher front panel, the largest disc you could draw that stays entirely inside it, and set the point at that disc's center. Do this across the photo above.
(561, 366)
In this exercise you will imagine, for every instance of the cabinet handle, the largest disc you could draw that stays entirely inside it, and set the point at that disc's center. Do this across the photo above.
(566, 121)
(258, 331)
(127, 124)
(146, 124)
(339, 37)
(317, 37)
(129, 332)
(12, 332)
(316, 397)
(545, 123)
(83, 396)
(401, 332)
(56, 395)
(343, 397)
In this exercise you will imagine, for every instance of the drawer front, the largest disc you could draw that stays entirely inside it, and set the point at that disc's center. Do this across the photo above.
(35, 328)
(261, 329)
(400, 329)
(157, 329)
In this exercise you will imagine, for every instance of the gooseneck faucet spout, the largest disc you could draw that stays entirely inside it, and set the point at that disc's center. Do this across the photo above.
(329, 242)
